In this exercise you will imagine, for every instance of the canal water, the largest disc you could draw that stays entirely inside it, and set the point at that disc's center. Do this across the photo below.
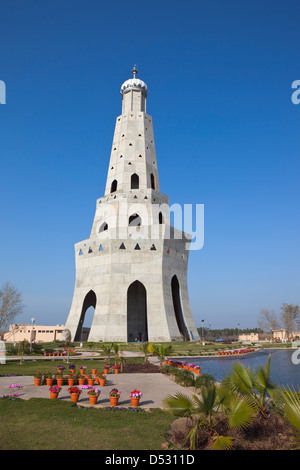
(283, 370)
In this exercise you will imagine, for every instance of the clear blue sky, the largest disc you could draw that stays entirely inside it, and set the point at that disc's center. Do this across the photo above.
(219, 75)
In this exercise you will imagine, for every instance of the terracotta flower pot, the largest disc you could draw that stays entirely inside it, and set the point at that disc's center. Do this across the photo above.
(117, 371)
(82, 371)
(102, 382)
(91, 381)
(106, 369)
(60, 382)
(53, 395)
(114, 401)
(93, 399)
(134, 402)
(94, 371)
(81, 381)
(75, 397)
(37, 382)
(71, 381)
(49, 382)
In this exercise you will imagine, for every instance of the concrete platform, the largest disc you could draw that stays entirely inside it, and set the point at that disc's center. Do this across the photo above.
(155, 387)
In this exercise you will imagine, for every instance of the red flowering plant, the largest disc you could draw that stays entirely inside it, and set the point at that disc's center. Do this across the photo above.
(114, 393)
(55, 388)
(136, 394)
(94, 392)
(74, 390)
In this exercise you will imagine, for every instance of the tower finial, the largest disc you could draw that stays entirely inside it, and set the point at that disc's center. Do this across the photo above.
(134, 71)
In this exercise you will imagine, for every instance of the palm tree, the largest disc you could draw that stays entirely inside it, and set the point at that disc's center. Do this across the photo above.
(256, 385)
(287, 404)
(161, 351)
(144, 347)
(215, 404)
(106, 348)
(67, 337)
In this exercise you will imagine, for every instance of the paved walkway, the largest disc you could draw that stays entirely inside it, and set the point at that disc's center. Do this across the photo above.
(155, 387)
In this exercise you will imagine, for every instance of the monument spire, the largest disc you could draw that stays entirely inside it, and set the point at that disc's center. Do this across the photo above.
(133, 268)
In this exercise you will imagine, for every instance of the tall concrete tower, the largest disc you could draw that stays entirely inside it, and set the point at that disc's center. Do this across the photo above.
(133, 267)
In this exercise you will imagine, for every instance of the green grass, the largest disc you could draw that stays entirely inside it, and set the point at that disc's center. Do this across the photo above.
(44, 424)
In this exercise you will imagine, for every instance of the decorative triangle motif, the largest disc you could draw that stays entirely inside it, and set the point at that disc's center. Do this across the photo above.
(100, 248)
(90, 250)
(122, 247)
(80, 252)
(137, 247)
(153, 248)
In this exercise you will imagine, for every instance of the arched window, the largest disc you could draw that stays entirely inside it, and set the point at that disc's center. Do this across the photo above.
(135, 181)
(161, 220)
(103, 227)
(152, 181)
(134, 220)
(114, 186)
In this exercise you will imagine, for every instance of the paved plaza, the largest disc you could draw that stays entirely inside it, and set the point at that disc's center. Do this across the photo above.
(154, 386)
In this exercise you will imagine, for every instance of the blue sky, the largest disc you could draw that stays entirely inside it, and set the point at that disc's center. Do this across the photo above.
(226, 132)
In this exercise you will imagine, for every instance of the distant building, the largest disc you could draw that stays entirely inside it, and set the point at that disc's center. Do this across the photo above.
(249, 337)
(38, 333)
(281, 335)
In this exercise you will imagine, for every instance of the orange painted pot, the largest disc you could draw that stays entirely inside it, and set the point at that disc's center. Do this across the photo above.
(49, 382)
(75, 397)
(135, 402)
(37, 382)
(114, 401)
(93, 399)
(102, 382)
(53, 395)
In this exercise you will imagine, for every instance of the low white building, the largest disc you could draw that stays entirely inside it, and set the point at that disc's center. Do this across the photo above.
(38, 333)
(249, 337)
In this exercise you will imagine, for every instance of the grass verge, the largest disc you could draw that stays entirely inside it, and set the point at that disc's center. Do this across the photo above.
(44, 424)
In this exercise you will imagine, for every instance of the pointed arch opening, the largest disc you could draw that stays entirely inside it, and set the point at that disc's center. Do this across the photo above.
(103, 227)
(89, 303)
(137, 327)
(135, 181)
(152, 180)
(178, 309)
(114, 186)
(134, 220)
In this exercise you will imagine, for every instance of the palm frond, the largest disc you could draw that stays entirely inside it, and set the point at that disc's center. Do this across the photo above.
(179, 404)
(222, 443)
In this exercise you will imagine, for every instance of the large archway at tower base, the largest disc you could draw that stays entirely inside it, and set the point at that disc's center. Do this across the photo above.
(90, 300)
(137, 328)
(178, 309)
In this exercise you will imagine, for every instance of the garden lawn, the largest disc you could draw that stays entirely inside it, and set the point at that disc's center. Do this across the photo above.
(44, 424)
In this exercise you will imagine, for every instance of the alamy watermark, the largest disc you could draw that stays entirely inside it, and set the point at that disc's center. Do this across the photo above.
(125, 220)
(296, 357)
(296, 94)
(2, 92)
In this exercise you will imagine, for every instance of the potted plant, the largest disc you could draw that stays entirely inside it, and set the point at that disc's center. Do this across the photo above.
(71, 380)
(93, 394)
(82, 370)
(135, 396)
(37, 379)
(94, 371)
(75, 393)
(54, 391)
(72, 369)
(90, 379)
(49, 379)
(101, 379)
(116, 369)
(114, 396)
(106, 369)
(60, 379)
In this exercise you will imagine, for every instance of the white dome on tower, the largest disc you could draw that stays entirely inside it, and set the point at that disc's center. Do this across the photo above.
(134, 84)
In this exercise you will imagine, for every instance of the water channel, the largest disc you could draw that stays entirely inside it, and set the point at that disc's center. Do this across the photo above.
(284, 365)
